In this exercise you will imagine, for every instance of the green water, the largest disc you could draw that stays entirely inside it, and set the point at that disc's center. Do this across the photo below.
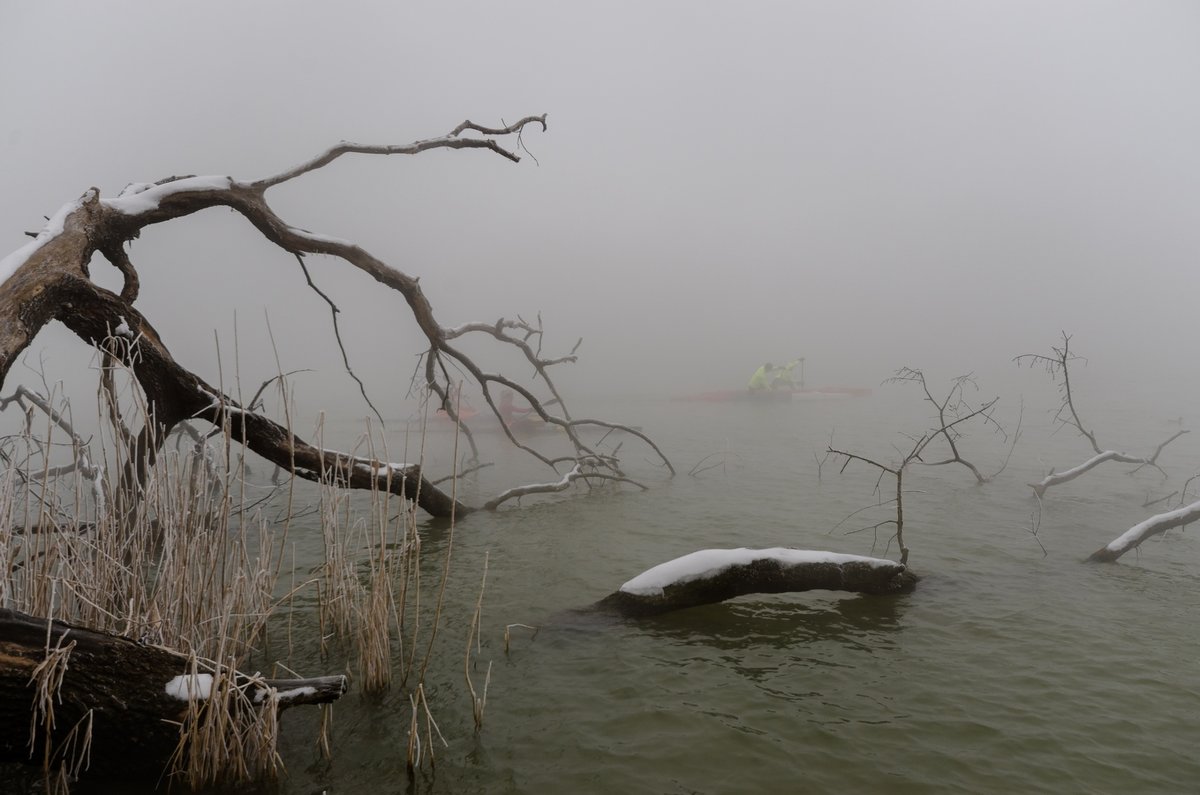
(1008, 670)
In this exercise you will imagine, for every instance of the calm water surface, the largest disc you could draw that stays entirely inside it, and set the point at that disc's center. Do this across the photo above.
(1008, 670)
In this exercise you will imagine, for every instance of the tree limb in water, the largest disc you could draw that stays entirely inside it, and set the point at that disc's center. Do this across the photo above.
(1058, 365)
(714, 575)
(1147, 528)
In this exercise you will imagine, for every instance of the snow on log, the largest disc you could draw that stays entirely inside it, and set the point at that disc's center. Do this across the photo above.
(133, 697)
(1135, 535)
(714, 575)
(1055, 478)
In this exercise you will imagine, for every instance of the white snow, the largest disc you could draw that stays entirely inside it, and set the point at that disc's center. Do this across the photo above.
(122, 329)
(189, 687)
(146, 199)
(383, 470)
(710, 562)
(285, 695)
(325, 239)
(1155, 524)
(53, 227)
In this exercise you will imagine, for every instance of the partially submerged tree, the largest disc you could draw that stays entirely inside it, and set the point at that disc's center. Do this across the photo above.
(49, 279)
(714, 575)
(949, 409)
(1152, 526)
(1058, 365)
(144, 528)
(953, 411)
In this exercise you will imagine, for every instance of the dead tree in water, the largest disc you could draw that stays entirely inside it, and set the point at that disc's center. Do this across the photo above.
(1132, 538)
(49, 279)
(951, 407)
(1058, 365)
(947, 430)
(714, 575)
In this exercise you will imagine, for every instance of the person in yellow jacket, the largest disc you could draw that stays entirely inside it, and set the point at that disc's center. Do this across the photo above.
(785, 376)
(761, 380)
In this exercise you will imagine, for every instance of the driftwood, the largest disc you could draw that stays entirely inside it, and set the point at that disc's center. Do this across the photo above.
(758, 571)
(129, 698)
(1147, 528)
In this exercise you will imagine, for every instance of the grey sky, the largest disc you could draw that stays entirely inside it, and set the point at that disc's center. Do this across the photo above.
(868, 184)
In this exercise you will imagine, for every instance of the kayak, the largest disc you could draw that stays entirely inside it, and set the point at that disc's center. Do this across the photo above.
(771, 395)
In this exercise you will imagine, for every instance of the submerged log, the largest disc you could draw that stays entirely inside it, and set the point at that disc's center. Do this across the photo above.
(60, 684)
(1147, 528)
(714, 575)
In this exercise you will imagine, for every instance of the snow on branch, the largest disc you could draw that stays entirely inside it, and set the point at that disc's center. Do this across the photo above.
(1058, 365)
(48, 279)
(1147, 528)
(562, 484)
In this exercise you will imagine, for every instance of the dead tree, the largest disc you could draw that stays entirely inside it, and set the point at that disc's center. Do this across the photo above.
(78, 701)
(1145, 529)
(1058, 365)
(49, 279)
(950, 408)
(1131, 539)
(946, 429)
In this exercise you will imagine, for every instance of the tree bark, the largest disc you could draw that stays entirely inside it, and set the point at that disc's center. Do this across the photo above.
(135, 721)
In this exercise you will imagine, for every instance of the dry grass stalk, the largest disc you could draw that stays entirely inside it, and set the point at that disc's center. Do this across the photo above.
(195, 565)
(478, 703)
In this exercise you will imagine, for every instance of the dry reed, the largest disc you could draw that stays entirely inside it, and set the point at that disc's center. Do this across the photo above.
(192, 563)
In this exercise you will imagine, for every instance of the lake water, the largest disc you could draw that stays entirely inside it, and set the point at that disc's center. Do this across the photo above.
(1009, 669)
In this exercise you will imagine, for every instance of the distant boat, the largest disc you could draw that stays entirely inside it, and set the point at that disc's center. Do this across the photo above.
(772, 395)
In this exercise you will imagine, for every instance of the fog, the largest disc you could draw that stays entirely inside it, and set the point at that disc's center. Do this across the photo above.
(943, 185)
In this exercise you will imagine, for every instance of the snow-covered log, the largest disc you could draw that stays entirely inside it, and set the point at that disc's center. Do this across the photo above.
(1143, 530)
(714, 575)
(131, 697)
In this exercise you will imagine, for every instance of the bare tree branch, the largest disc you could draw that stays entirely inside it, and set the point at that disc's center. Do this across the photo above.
(1058, 366)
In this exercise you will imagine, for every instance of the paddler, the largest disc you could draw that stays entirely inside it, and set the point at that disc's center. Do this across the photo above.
(784, 376)
(761, 380)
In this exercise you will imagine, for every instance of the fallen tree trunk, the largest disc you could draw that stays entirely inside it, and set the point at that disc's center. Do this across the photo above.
(714, 575)
(1134, 536)
(108, 706)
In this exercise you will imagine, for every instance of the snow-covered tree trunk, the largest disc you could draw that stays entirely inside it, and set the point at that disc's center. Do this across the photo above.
(714, 575)
(1134, 536)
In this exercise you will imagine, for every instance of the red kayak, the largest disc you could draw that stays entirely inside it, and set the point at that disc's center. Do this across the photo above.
(729, 395)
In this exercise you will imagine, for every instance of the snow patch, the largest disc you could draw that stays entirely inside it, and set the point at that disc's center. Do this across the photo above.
(710, 562)
(327, 240)
(383, 470)
(190, 688)
(53, 228)
(285, 695)
(1155, 524)
(145, 200)
(122, 329)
